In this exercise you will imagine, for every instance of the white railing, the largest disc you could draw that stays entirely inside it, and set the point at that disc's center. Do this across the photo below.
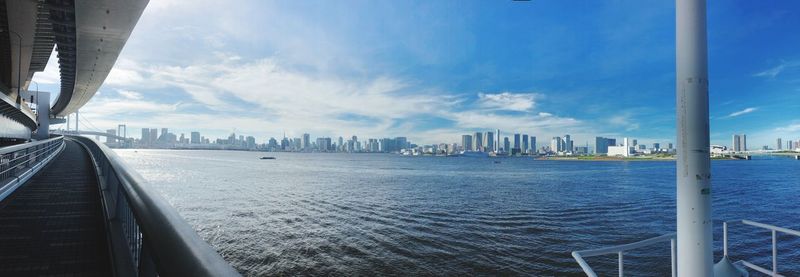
(621, 249)
(774, 230)
(20, 162)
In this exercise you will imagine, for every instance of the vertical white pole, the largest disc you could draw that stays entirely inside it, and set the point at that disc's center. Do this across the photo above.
(674, 254)
(695, 256)
(621, 271)
(724, 239)
(774, 253)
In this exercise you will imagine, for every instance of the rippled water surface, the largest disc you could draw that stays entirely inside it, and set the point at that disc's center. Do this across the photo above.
(382, 214)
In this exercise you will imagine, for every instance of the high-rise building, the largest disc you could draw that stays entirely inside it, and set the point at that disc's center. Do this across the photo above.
(324, 144)
(153, 135)
(780, 144)
(506, 144)
(466, 142)
(401, 143)
(567, 144)
(739, 143)
(497, 141)
(556, 144)
(669, 146)
(195, 138)
(656, 146)
(477, 141)
(251, 142)
(533, 144)
(272, 144)
(601, 144)
(306, 142)
(516, 142)
(145, 136)
(490, 142)
(525, 143)
(109, 138)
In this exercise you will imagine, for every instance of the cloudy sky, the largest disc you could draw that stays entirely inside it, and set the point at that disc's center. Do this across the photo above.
(432, 70)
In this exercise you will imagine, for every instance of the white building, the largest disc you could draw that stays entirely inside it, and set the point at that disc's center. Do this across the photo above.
(718, 150)
(623, 150)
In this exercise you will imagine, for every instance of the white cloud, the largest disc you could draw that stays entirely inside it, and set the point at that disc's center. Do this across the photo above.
(773, 72)
(625, 120)
(742, 112)
(130, 94)
(507, 101)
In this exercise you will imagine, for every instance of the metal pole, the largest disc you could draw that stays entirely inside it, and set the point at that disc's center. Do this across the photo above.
(674, 254)
(774, 253)
(695, 256)
(724, 239)
(621, 271)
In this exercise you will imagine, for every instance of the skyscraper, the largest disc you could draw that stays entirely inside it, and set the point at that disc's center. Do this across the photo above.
(516, 141)
(524, 143)
(466, 142)
(533, 144)
(497, 146)
(195, 138)
(601, 144)
(306, 142)
(780, 144)
(567, 144)
(739, 143)
(153, 135)
(478, 141)
(111, 132)
(506, 144)
(490, 142)
(401, 143)
(145, 136)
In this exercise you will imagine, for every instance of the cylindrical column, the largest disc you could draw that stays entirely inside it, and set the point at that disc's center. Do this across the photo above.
(695, 256)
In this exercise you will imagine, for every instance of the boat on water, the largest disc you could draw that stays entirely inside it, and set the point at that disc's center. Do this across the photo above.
(267, 158)
(474, 154)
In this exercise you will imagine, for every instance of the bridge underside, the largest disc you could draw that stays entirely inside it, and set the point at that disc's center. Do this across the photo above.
(88, 36)
(53, 224)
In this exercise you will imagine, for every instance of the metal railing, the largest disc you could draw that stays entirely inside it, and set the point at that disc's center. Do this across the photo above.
(774, 229)
(146, 235)
(20, 162)
(621, 249)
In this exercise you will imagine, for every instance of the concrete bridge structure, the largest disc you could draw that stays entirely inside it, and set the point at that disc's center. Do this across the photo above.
(68, 205)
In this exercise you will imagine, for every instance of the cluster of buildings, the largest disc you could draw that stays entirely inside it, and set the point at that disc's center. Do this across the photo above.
(326, 144)
(493, 143)
(739, 144)
(151, 138)
(486, 143)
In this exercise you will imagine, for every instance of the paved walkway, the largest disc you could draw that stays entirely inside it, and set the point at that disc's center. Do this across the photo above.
(53, 225)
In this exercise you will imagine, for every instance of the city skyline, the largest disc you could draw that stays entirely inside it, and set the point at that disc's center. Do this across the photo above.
(469, 75)
(491, 141)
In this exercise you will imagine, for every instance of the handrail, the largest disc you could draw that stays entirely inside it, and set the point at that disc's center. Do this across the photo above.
(148, 237)
(620, 249)
(774, 230)
(20, 162)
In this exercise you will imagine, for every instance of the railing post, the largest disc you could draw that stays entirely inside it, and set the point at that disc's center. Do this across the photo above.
(725, 239)
(774, 253)
(621, 270)
(674, 256)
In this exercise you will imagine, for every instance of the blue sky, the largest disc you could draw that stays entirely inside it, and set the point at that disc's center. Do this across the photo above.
(432, 70)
